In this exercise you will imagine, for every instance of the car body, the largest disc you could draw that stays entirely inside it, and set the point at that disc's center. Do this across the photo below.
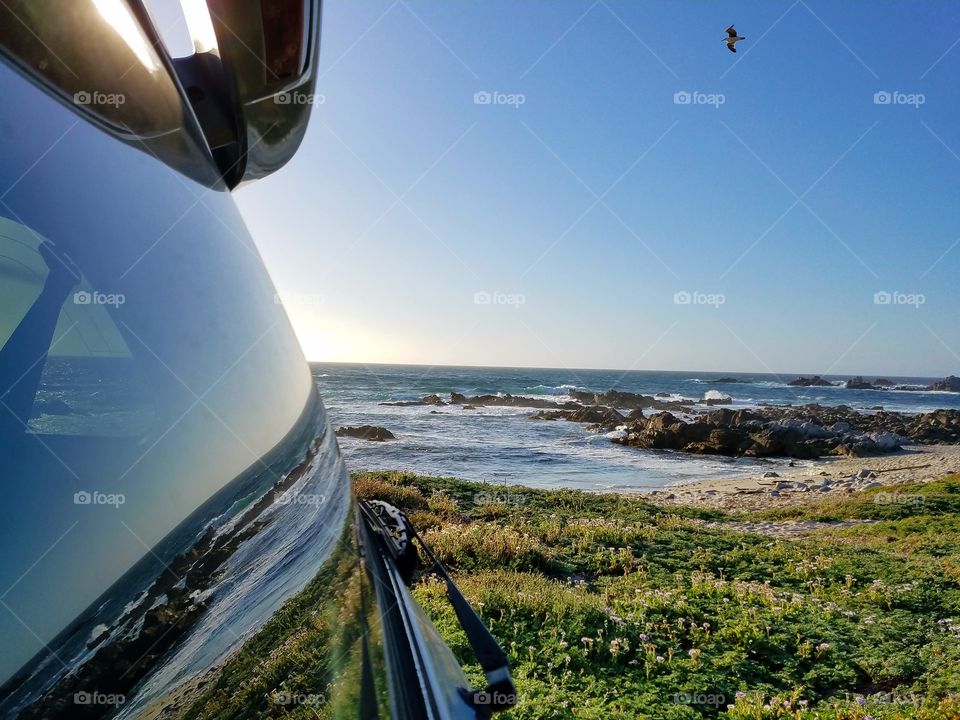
(170, 475)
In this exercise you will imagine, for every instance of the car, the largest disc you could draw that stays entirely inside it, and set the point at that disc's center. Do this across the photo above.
(170, 476)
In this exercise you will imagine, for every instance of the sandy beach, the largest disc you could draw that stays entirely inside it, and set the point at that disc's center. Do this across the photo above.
(811, 480)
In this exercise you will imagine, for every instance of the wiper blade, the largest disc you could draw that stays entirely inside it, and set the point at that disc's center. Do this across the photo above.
(390, 536)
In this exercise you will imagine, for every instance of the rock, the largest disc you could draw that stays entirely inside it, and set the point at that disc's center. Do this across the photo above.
(774, 493)
(627, 400)
(715, 397)
(374, 433)
(840, 427)
(871, 485)
(815, 381)
(865, 474)
(858, 383)
(728, 381)
(771, 474)
(882, 382)
(887, 441)
(469, 407)
(951, 383)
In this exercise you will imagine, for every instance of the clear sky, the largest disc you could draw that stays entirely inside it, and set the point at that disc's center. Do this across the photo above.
(782, 198)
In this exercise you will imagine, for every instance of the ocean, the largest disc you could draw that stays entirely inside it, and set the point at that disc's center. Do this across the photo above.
(501, 445)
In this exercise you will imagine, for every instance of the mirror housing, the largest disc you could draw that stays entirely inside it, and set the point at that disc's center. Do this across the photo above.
(268, 51)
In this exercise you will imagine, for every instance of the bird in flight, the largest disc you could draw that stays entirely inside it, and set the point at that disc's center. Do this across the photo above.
(732, 38)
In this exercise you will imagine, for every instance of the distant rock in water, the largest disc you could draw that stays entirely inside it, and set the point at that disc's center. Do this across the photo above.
(425, 400)
(950, 383)
(815, 381)
(728, 381)
(715, 397)
(366, 432)
(627, 400)
(858, 383)
(507, 400)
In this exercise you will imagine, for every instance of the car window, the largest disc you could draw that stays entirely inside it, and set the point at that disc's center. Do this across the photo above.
(87, 384)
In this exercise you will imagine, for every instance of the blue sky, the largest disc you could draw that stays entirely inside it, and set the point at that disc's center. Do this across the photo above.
(781, 200)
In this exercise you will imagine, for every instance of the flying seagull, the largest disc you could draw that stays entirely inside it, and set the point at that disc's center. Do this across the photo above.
(732, 38)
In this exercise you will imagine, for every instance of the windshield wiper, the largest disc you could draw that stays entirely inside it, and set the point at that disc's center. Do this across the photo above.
(424, 677)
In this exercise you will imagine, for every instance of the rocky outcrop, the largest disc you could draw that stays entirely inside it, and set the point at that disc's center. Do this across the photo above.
(951, 383)
(425, 400)
(627, 400)
(374, 433)
(728, 381)
(815, 381)
(806, 432)
(598, 417)
(747, 433)
(507, 400)
(858, 383)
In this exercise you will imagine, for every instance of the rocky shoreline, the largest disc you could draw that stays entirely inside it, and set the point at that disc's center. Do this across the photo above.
(658, 422)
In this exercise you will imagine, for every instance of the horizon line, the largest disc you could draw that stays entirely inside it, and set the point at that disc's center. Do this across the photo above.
(791, 374)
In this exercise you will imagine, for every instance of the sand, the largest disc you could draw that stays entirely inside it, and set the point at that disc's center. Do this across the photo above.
(915, 463)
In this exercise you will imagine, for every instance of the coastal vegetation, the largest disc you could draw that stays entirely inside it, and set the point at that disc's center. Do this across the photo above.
(615, 607)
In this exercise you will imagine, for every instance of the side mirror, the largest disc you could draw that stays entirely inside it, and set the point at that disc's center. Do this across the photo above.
(269, 49)
(254, 92)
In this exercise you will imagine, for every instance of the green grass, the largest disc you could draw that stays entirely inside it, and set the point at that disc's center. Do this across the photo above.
(611, 607)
